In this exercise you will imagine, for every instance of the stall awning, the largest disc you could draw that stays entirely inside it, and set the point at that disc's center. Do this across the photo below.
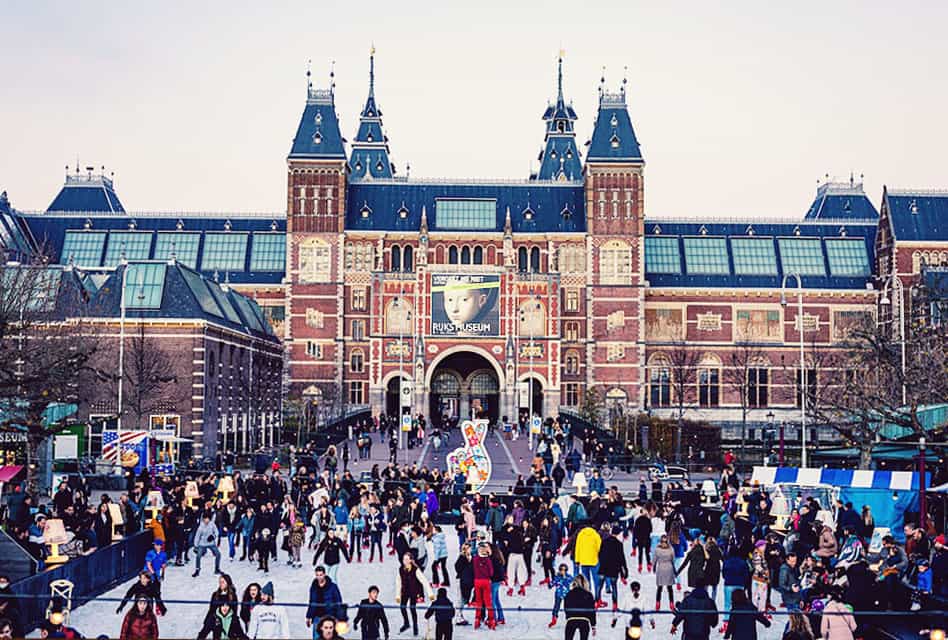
(172, 439)
(9, 472)
(888, 480)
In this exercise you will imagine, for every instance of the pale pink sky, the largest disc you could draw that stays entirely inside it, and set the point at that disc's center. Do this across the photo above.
(738, 109)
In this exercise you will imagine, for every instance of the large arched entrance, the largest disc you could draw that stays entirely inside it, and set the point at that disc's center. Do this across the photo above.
(464, 384)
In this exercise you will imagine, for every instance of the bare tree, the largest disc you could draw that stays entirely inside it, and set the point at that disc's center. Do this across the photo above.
(683, 366)
(149, 373)
(742, 363)
(45, 346)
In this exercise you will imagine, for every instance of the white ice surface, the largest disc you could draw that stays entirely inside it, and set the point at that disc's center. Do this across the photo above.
(292, 586)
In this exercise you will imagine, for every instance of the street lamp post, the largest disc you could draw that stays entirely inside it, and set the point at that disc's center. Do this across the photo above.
(922, 504)
(803, 376)
(397, 303)
(770, 434)
(898, 290)
(535, 298)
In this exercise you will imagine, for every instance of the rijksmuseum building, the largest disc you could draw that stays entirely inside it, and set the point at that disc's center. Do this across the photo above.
(501, 295)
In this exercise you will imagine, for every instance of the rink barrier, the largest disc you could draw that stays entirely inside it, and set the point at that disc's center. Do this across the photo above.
(604, 613)
(91, 575)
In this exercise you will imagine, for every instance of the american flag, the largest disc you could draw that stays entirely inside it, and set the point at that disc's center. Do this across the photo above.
(113, 442)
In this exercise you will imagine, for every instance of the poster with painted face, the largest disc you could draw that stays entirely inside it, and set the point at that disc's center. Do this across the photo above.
(465, 305)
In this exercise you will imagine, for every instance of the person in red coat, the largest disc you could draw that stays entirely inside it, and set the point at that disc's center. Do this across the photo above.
(140, 623)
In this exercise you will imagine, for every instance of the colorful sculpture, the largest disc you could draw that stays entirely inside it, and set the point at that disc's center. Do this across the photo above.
(472, 458)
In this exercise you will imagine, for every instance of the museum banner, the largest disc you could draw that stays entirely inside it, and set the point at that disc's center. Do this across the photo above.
(465, 305)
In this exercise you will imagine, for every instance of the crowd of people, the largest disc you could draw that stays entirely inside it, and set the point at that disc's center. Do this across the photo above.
(588, 556)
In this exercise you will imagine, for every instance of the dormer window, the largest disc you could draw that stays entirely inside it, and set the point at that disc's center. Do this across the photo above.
(561, 126)
(358, 166)
(179, 225)
(566, 213)
(913, 206)
(403, 212)
(615, 121)
(528, 213)
(317, 138)
(132, 225)
(227, 225)
(365, 211)
(369, 137)
(319, 118)
(614, 141)
(379, 166)
(553, 154)
(569, 154)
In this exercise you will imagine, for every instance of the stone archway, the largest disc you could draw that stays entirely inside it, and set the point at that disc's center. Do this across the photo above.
(464, 382)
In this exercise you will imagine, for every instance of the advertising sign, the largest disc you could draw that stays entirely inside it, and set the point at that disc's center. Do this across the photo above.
(523, 394)
(465, 305)
(406, 422)
(406, 393)
(128, 449)
(472, 458)
(535, 425)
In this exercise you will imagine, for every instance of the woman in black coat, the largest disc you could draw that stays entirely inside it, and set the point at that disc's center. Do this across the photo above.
(103, 526)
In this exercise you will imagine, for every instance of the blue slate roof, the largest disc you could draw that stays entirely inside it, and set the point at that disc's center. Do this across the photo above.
(613, 138)
(15, 239)
(917, 215)
(841, 201)
(185, 293)
(86, 192)
(318, 135)
(771, 233)
(369, 157)
(50, 232)
(559, 158)
(396, 205)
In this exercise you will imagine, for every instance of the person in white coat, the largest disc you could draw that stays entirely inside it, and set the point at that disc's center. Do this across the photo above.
(267, 619)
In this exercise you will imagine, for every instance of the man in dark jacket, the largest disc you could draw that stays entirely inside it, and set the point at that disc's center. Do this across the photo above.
(443, 611)
(788, 581)
(324, 598)
(371, 614)
(699, 614)
(744, 617)
(612, 565)
(642, 538)
(580, 609)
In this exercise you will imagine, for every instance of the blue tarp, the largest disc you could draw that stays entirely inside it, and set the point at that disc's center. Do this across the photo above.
(888, 508)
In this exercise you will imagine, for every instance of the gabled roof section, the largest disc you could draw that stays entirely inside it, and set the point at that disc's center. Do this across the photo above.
(370, 154)
(918, 215)
(613, 138)
(318, 136)
(87, 192)
(396, 205)
(842, 200)
(559, 159)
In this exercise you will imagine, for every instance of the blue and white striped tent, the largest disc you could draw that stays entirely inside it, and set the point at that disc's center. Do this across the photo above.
(843, 478)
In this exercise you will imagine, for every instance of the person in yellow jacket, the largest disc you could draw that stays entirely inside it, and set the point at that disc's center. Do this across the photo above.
(585, 549)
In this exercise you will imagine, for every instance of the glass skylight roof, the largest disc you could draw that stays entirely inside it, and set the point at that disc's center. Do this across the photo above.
(465, 214)
(224, 252)
(802, 256)
(184, 245)
(83, 248)
(754, 256)
(201, 292)
(706, 256)
(268, 252)
(847, 257)
(223, 302)
(136, 245)
(144, 285)
(662, 255)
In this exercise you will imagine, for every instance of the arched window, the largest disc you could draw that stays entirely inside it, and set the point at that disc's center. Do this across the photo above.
(535, 260)
(709, 381)
(522, 259)
(478, 255)
(452, 255)
(408, 259)
(484, 384)
(572, 362)
(659, 382)
(445, 384)
(396, 258)
(357, 361)
(465, 255)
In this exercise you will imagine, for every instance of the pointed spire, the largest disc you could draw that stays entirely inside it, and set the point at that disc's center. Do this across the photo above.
(372, 72)
(559, 78)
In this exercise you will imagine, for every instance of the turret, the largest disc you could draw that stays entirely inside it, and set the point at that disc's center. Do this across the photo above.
(559, 159)
(369, 158)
